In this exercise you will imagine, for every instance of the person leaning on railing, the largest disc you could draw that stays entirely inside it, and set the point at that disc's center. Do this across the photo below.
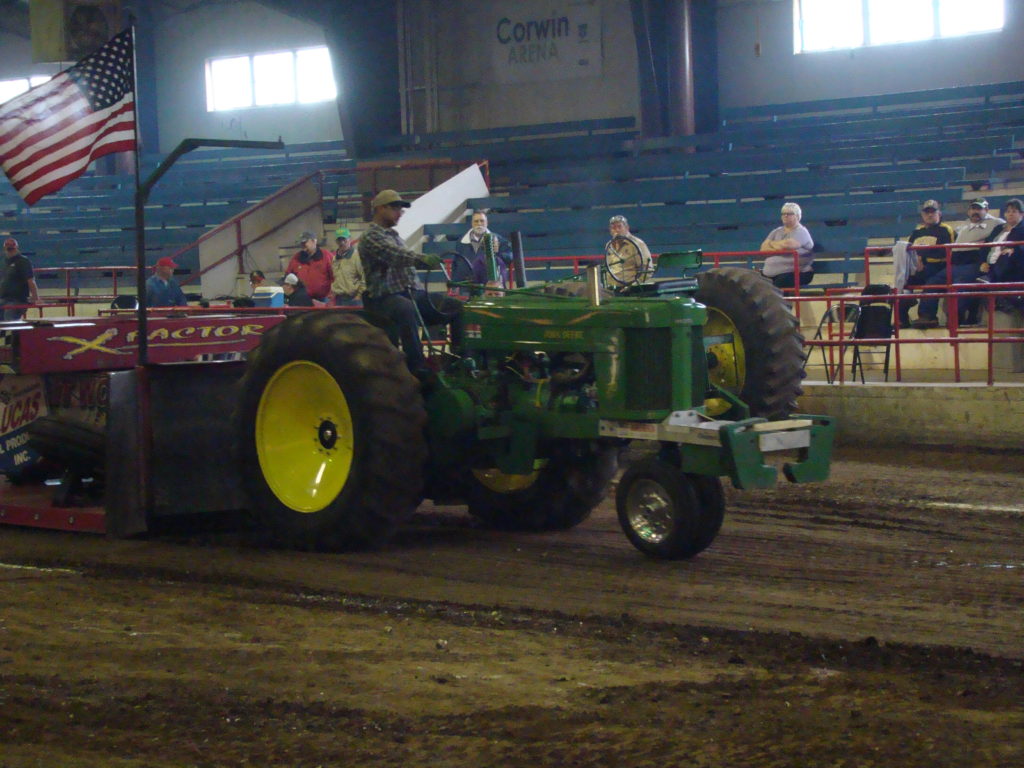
(791, 236)
(927, 262)
(1006, 264)
(980, 228)
(18, 287)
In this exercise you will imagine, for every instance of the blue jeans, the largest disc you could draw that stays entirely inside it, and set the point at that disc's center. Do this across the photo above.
(961, 273)
(11, 310)
(786, 279)
(401, 310)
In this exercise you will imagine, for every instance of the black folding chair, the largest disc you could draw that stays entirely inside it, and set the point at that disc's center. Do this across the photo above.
(125, 302)
(846, 316)
(874, 321)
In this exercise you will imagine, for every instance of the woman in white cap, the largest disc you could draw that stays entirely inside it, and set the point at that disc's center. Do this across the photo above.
(791, 236)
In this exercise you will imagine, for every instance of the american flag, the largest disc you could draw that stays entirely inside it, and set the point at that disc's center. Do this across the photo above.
(49, 135)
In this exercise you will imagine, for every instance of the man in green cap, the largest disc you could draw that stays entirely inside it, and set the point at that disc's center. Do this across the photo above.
(349, 282)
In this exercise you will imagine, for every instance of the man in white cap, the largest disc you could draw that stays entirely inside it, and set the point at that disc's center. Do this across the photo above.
(626, 264)
(295, 293)
(791, 236)
(392, 287)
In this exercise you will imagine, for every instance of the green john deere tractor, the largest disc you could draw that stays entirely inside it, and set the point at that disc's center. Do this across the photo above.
(527, 423)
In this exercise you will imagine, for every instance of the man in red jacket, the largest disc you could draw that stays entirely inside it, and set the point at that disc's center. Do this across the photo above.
(314, 267)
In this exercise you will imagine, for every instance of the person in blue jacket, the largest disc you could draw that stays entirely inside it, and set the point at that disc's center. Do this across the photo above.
(161, 289)
(470, 263)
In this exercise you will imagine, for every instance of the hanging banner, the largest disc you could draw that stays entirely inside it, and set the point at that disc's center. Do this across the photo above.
(534, 40)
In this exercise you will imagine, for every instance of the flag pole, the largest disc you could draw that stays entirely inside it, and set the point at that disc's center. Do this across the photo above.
(140, 219)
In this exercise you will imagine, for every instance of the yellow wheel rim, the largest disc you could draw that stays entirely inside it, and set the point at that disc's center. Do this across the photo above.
(729, 370)
(500, 482)
(304, 436)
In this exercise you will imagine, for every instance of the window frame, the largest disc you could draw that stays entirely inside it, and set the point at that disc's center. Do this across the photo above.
(799, 43)
(253, 88)
(28, 81)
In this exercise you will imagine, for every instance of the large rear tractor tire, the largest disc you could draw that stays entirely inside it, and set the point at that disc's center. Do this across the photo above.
(559, 494)
(331, 435)
(758, 355)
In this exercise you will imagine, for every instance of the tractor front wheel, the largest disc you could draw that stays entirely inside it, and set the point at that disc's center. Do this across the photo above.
(559, 494)
(667, 513)
(331, 433)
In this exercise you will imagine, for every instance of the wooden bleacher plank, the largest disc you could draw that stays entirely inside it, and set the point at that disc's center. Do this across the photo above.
(952, 151)
(900, 208)
(953, 124)
(445, 139)
(984, 94)
(718, 188)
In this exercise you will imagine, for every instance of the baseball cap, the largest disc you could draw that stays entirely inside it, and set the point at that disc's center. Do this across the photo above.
(290, 279)
(389, 197)
(978, 202)
(930, 204)
(342, 233)
(166, 261)
(307, 235)
(10, 243)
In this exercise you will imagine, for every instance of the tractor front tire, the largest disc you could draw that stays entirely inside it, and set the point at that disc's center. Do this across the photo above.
(558, 495)
(667, 513)
(331, 433)
(763, 364)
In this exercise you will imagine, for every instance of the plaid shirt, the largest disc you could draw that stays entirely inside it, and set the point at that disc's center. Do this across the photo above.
(387, 263)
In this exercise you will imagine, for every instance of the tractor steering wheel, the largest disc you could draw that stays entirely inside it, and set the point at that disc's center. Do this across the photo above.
(624, 261)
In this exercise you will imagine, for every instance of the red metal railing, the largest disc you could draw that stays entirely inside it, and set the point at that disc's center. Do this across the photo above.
(836, 337)
(235, 222)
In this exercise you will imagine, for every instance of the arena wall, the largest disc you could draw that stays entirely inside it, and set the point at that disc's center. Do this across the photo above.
(186, 40)
(483, 82)
(965, 415)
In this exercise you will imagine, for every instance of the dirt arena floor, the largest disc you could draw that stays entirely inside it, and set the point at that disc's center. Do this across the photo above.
(875, 620)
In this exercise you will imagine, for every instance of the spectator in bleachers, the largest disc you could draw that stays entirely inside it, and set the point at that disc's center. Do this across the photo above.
(979, 228)
(927, 262)
(1006, 264)
(314, 267)
(791, 236)
(470, 262)
(18, 287)
(161, 289)
(622, 262)
(256, 279)
(295, 293)
(349, 282)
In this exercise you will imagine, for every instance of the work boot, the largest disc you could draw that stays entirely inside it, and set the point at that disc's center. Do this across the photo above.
(925, 322)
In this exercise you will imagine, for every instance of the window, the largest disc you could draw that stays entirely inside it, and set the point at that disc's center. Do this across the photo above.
(828, 25)
(11, 88)
(270, 79)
